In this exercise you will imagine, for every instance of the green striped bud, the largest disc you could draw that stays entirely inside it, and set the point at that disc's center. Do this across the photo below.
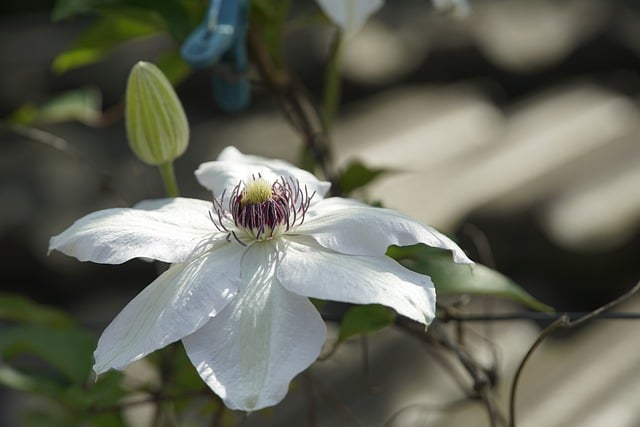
(157, 126)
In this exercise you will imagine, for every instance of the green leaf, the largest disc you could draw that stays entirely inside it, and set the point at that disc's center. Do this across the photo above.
(80, 406)
(357, 175)
(48, 416)
(64, 9)
(100, 38)
(44, 353)
(26, 114)
(29, 383)
(104, 392)
(82, 105)
(46, 334)
(450, 277)
(173, 12)
(67, 350)
(19, 309)
(362, 319)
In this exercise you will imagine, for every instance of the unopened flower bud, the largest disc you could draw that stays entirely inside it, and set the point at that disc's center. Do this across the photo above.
(157, 126)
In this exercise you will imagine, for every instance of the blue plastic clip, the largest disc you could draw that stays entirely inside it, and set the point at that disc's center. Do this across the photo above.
(221, 39)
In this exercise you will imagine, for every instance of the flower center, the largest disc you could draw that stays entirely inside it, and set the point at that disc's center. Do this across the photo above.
(259, 210)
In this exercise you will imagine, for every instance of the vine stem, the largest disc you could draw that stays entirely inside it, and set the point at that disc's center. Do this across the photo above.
(169, 179)
(332, 82)
(448, 315)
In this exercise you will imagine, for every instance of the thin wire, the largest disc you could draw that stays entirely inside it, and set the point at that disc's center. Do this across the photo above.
(572, 316)
(564, 321)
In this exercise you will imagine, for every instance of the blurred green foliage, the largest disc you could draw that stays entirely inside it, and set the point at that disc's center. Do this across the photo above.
(43, 352)
(118, 21)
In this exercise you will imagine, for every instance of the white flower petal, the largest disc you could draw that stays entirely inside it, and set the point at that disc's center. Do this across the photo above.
(232, 167)
(355, 228)
(169, 230)
(178, 302)
(350, 14)
(311, 270)
(250, 352)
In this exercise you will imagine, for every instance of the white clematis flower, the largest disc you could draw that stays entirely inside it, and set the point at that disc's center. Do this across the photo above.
(243, 268)
(350, 15)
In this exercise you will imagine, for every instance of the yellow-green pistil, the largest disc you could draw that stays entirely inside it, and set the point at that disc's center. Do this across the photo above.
(257, 191)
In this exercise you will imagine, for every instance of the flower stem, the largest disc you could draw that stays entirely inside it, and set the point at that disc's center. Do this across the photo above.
(169, 179)
(332, 81)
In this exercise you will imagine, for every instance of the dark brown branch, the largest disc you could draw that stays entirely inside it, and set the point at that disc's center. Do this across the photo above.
(482, 378)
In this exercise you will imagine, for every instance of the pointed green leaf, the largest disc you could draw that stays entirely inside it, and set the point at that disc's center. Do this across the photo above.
(357, 175)
(173, 12)
(363, 319)
(82, 105)
(450, 277)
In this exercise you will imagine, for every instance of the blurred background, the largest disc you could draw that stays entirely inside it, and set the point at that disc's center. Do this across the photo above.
(515, 130)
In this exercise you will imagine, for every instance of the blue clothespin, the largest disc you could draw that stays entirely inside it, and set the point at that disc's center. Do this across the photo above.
(221, 39)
